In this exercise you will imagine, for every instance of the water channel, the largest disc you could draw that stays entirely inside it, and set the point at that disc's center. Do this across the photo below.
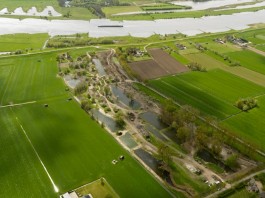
(187, 26)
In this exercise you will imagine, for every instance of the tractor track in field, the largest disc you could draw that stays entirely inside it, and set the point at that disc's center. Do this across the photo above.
(35, 151)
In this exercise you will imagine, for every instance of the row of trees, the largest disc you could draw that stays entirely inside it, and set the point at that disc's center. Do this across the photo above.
(188, 129)
(195, 133)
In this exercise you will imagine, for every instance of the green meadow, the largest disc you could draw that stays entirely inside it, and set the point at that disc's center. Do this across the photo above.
(249, 59)
(214, 92)
(74, 149)
(75, 12)
(13, 42)
(250, 125)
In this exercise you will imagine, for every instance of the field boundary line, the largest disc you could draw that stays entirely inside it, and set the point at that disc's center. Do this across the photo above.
(18, 104)
(36, 153)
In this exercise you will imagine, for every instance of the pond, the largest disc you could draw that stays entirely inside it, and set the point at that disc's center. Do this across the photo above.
(99, 67)
(155, 132)
(123, 98)
(127, 139)
(208, 157)
(209, 24)
(153, 119)
(107, 121)
(71, 82)
(152, 163)
(148, 159)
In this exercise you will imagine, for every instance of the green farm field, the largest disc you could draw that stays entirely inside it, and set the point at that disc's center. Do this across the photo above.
(120, 9)
(74, 149)
(75, 12)
(249, 59)
(27, 4)
(13, 42)
(250, 125)
(214, 92)
(243, 194)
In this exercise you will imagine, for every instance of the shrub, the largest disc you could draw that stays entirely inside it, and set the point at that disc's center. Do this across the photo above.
(80, 88)
(196, 67)
(246, 104)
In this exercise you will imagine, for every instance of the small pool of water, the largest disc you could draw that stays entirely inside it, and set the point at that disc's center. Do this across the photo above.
(107, 121)
(153, 119)
(71, 82)
(208, 157)
(152, 163)
(155, 132)
(124, 99)
(128, 141)
(99, 67)
(172, 134)
(148, 159)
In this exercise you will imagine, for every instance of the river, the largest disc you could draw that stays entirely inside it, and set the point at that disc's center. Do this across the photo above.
(187, 26)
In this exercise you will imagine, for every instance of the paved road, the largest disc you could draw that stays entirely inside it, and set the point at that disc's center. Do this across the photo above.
(235, 183)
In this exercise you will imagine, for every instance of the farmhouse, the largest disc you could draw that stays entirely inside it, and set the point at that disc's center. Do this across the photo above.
(238, 41)
(180, 46)
(219, 40)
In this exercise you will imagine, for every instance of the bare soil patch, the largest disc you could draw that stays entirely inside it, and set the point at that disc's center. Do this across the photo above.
(148, 69)
(161, 65)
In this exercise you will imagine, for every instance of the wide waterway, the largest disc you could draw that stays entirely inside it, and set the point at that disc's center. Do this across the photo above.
(188, 26)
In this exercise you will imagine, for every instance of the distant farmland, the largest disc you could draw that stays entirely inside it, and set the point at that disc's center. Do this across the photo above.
(161, 65)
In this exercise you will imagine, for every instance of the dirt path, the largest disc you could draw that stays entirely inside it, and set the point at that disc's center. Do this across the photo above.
(256, 51)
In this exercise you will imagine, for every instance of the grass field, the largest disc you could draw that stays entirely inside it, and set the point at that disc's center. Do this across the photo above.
(183, 177)
(74, 149)
(255, 36)
(243, 194)
(186, 14)
(120, 9)
(162, 6)
(13, 42)
(204, 60)
(214, 92)
(250, 125)
(249, 59)
(75, 12)
(27, 4)
(98, 188)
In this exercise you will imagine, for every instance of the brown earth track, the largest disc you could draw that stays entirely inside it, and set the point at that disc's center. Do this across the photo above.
(161, 65)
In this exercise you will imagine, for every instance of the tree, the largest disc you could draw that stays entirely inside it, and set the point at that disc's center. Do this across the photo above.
(164, 154)
(201, 139)
(232, 161)
(187, 114)
(216, 147)
(183, 134)
(168, 112)
(80, 88)
(119, 119)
